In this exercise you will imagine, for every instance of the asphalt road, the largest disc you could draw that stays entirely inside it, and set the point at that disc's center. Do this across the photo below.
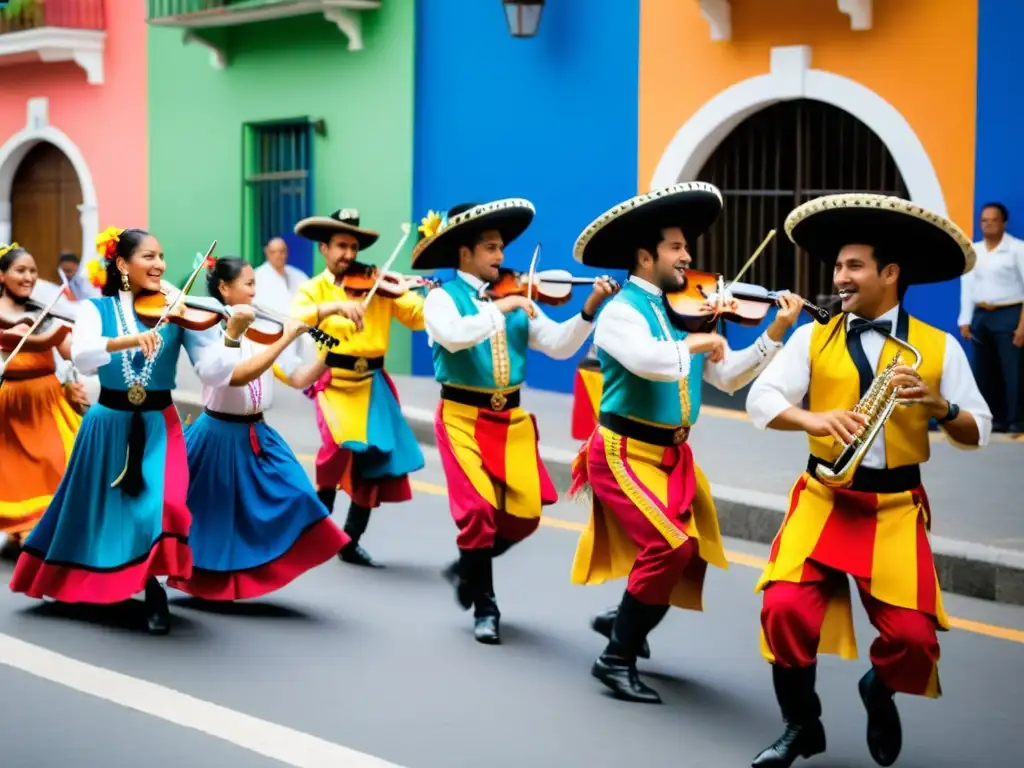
(383, 663)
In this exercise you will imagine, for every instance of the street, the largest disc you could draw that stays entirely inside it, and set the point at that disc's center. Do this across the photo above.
(383, 663)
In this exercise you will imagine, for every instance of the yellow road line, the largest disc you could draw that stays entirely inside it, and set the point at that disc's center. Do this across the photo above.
(738, 558)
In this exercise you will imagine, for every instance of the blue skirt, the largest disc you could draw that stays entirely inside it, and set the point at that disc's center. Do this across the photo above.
(257, 523)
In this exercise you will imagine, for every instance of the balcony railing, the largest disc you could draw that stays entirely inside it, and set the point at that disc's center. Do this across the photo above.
(63, 14)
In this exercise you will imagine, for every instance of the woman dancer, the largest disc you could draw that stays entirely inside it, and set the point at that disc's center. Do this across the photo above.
(119, 518)
(37, 420)
(257, 522)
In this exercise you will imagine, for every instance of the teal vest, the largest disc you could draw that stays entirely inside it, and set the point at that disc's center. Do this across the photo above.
(496, 363)
(667, 403)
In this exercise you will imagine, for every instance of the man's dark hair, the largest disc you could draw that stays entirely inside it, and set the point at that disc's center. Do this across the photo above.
(68, 256)
(999, 207)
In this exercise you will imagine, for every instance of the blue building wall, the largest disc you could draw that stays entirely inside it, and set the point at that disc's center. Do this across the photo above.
(552, 119)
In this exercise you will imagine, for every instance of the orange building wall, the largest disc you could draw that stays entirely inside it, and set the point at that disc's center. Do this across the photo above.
(107, 122)
(920, 56)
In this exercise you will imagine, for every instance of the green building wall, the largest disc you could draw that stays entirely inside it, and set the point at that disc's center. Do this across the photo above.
(281, 70)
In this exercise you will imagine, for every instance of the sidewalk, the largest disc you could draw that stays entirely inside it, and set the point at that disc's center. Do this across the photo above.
(977, 497)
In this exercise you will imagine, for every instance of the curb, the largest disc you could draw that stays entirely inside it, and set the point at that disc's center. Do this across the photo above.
(964, 568)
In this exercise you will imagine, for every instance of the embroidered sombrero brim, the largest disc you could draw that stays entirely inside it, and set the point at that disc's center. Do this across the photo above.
(321, 229)
(611, 240)
(928, 247)
(510, 217)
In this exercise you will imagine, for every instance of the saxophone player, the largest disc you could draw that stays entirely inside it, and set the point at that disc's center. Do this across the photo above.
(872, 524)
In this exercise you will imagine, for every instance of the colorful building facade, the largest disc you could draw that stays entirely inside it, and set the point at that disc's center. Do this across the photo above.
(73, 124)
(259, 113)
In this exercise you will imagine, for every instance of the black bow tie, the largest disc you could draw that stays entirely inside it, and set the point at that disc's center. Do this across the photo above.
(858, 326)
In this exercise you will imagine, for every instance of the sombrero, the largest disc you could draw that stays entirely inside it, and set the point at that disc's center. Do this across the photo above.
(320, 229)
(612, 238)
(928, 247)
(444, 233)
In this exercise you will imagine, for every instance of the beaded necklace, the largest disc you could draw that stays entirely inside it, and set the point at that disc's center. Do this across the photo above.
(136, 368)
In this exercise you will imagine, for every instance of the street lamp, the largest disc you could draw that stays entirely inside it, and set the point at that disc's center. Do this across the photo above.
(523, 16)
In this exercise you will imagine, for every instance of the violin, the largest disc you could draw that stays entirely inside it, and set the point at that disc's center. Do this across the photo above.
(684, 307)
(50, 331)
(359, 280)
(201, 313)
(552, 287)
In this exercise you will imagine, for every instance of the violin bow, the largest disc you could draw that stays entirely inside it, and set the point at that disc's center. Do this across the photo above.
(406, 229)
(35, 324)
(533, 271)
(752, 259)
(171, 305)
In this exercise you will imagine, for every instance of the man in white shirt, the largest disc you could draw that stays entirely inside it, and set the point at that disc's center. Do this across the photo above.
(870, 521)
(497, 483)
(276, 284)
(992, 317)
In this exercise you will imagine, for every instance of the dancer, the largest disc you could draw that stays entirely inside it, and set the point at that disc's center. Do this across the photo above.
(257, 523)
(497, 483)
(119, 518)
(368, 448)
(38, 416)
(652, 515)
(875, 527)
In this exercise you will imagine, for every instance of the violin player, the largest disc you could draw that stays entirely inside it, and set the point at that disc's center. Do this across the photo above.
(38, 417)
(119, 518)
(648, 498)
(875, 525)
(497, 483)
(369, 459)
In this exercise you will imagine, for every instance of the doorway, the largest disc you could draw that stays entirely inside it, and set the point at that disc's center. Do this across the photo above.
(45, 196)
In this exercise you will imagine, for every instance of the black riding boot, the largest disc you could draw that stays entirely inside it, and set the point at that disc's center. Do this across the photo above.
(603, 623)
(801, 710)
(885, 734)
(158, 615)
(327, 497)
(459, 574)
(616, 666)
(486, 614)
(355, 526)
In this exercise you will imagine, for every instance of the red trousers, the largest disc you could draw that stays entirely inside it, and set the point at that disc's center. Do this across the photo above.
(905, 653)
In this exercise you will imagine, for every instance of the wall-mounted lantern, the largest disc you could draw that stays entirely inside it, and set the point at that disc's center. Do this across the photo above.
(523, 16)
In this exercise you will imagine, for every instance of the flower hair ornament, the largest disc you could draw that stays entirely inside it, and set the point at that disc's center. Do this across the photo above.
(106, 242)
(5, 249)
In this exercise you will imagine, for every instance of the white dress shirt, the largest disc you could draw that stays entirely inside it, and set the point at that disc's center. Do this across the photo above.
(455, 332)
(624, 334)
(997, 277)
(785, 383)
(256, 396)
(213, 362)
(276, 291)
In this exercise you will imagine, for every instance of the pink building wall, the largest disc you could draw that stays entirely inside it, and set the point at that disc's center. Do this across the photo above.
(102, 128)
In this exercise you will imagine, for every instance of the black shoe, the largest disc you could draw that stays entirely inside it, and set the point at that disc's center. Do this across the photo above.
(603, 623)
(355, 526)
(158, 615)
(621, 676)
(885, 734)
(487, 619)
(454, 575)
(11, 549)
(354, 554)
(801, 709)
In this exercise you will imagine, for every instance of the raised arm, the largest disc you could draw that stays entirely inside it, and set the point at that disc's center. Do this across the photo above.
(408, 310)
(559, 341)
(623, 333)
(972, 428)
(451, 330)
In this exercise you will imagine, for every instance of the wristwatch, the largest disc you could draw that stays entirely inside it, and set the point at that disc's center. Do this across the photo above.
(951, 413)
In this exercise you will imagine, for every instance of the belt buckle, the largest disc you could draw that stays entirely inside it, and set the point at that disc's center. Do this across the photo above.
(679, 435)
(362, 365)
(498, 401)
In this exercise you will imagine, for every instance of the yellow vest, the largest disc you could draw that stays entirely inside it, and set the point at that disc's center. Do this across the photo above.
(835, 384)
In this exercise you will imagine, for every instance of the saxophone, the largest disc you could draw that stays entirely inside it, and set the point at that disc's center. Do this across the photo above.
(877, 404)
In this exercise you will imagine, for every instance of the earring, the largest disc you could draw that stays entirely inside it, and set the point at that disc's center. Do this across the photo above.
(125, 285)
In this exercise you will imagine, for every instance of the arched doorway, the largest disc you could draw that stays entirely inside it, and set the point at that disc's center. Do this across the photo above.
(45, 198)
(770, 163)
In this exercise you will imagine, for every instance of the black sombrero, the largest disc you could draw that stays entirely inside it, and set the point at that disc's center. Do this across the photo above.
(320, 229)
(928, 247)
(443, 233)
(612, 238)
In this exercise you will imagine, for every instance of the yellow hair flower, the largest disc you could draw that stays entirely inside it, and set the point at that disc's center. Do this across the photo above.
(97, 273)
(5, 249)
(106, 241)
(431, 224)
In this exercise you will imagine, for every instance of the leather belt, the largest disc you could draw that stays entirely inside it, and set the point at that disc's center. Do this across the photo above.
(235, 418)
(353, 362)
(990, 307)
(117, 399)
(895, 480)
(492, 401)
(647, 433)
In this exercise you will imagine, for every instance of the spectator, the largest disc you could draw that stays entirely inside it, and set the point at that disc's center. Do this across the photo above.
(276, 284)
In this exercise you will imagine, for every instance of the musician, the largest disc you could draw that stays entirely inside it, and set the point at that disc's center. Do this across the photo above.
(368, 450)
(497, 483)
(38, 416)
(652, 515)
(257, 523)
(877, 528)
(119, 518)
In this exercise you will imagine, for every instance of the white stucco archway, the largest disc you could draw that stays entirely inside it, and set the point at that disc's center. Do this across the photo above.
(38, 129)
(791, 77)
